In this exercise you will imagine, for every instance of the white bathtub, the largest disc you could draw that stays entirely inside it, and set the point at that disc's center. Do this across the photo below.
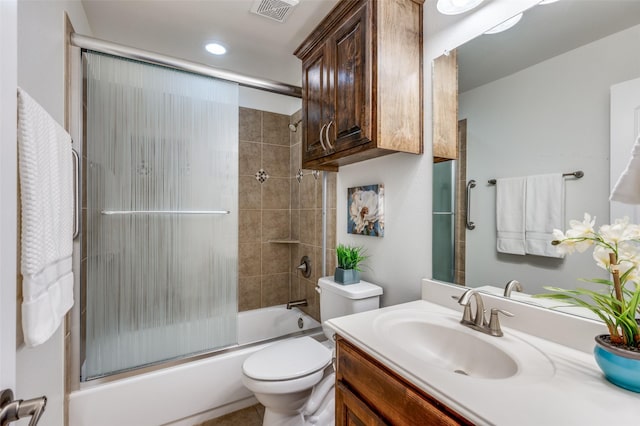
(189, 392)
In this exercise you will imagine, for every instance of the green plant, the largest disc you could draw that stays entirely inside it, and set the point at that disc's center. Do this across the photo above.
(616, 250)
(350, 257)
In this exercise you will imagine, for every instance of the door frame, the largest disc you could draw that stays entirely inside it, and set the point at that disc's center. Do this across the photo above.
(8, 191)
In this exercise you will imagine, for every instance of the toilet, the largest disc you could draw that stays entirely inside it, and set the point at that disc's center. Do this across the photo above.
(294, 379)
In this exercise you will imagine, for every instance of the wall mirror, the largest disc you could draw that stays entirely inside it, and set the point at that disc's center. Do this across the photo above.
(532, 100)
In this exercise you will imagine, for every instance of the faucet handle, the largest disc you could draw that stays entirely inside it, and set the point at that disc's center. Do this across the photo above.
(494, 322)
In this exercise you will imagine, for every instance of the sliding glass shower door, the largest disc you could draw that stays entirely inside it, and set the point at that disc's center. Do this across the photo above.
(159, 274)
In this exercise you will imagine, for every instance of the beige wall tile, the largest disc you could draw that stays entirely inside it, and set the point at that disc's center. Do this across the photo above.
(308, 289)
(250, 226)
(307, 226)
(275, 258)
(276, 193)
(250, 155)
(249, 293)
(275, 160)
(331, 190)
(295, 225)
(295, 193)
(249, 259)
(249, 193)
(276, 224)
(308, 191)
(295, 156)
(275, 289)
(250, 122)
(331, 228)
(275, 129)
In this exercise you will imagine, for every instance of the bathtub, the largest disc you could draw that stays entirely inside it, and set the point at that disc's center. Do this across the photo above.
(187, 392)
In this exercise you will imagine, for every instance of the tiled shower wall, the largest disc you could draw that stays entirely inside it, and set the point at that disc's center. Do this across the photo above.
(278, 208)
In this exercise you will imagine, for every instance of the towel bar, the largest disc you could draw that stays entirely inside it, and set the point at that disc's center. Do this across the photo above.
(131, 212)
(577, 174)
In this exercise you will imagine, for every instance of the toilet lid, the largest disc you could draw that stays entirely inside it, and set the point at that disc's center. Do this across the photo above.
(287, 360)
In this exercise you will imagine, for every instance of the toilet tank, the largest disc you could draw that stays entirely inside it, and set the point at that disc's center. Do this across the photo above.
(337, 300)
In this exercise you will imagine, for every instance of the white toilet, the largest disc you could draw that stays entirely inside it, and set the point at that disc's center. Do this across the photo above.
(294, 379)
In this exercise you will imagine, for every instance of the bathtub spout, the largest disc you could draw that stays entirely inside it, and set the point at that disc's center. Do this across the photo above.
(300, 302)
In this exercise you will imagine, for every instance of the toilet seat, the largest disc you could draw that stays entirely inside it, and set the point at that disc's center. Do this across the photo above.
(288, 360)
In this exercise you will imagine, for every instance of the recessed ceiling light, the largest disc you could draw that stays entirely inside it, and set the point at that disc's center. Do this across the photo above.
(216, 48)
(455, 7)
(505, 25)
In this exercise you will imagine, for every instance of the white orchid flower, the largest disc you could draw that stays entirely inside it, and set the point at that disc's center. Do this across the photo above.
(614, 233)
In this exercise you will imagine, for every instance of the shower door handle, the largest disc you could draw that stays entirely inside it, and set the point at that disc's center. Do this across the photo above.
(76, 193)
(470, 224)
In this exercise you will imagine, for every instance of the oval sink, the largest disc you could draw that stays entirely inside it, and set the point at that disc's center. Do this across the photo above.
(442, 341)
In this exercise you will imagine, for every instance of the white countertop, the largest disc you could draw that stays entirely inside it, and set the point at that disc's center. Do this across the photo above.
(571, 390)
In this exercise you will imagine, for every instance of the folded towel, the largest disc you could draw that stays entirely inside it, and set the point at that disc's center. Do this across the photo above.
(544, 213)
(627, 189)
(510, 199)
(46, 187)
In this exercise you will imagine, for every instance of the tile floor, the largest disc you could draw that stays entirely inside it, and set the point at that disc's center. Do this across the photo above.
(250, 416)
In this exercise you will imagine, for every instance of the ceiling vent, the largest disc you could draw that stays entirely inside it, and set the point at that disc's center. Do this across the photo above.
(278, 10)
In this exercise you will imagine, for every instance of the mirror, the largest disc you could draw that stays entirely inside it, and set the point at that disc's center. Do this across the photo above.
(534, 100)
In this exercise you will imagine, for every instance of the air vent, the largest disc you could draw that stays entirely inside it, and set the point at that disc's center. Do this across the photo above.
(278, 10)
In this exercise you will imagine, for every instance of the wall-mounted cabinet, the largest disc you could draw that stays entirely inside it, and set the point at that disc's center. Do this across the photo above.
(445, 107)
(362, 83)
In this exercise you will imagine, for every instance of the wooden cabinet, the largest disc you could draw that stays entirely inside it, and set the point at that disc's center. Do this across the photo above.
(368, 393)
(362, 83)
(445, 107)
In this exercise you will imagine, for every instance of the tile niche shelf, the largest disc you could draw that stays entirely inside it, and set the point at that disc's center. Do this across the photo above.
(284, 241)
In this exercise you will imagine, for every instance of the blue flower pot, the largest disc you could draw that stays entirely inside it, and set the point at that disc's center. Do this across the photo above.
(621, 367)
(346, 276)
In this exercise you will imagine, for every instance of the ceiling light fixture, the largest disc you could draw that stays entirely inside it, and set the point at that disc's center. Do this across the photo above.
(216, 48)
(455, 7)
(547, 1)
(505, 25)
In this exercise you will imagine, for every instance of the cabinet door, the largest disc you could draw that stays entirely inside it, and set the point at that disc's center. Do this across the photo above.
(351, 411)
(315, 109)
(350, 82)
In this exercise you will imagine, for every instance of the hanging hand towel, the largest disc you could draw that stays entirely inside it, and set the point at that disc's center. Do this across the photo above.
(544, 213)
(510, 199)
(46, 187)
(627, 189)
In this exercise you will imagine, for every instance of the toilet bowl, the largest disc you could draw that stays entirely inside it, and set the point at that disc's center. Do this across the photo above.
(294, 379)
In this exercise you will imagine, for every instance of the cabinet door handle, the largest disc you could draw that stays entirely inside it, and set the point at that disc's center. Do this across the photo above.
(327, 134)
(324, 148)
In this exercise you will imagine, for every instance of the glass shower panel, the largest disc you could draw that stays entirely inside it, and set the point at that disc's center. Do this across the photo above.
(160, 267)
(443, 248)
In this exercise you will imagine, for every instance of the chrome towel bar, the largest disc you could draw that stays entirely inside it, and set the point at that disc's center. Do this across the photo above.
(132, 212)
(577, 174)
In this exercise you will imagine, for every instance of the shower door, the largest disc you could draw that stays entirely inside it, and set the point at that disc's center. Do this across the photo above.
(159, 271)
(444, 220)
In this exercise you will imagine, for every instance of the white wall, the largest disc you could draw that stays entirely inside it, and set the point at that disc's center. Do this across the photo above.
(560, 124)
(40, 370)
(8, 166)
(400, 259)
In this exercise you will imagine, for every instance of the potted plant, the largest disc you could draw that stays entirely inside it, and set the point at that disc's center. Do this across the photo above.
(349, 260)
(616, 248)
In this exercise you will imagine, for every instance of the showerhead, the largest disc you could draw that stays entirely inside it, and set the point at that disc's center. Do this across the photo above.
(294, 126)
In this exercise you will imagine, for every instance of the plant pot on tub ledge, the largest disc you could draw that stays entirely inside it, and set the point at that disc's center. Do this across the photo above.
(616, 249)
(349, 260)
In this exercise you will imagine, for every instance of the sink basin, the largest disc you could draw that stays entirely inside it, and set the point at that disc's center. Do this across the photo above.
(441, 341)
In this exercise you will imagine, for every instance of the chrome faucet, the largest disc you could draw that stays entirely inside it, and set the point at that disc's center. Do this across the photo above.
(512, 285)
(300, 302)
(478, 321)
(12, 410)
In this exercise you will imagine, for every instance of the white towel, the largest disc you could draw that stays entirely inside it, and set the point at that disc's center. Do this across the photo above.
(627, 189)
(544, 213)
(510, 203)
(46, 186)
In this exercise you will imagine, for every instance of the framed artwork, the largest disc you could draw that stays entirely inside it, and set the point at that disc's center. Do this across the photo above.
(365, 210)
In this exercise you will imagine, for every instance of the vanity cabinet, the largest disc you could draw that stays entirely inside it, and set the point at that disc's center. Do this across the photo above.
(362, 83)
(368, 393)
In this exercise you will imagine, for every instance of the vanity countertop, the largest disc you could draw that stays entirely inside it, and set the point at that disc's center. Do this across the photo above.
(569, 390)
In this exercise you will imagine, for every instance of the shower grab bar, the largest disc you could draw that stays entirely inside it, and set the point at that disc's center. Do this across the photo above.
(76, 193)
(470, 224)
(131, 212)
